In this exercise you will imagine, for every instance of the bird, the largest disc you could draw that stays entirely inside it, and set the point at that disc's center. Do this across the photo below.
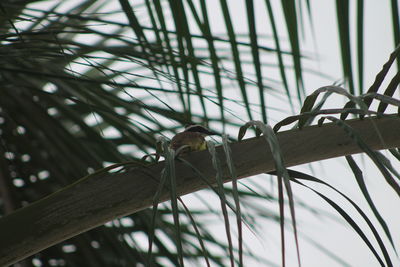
(191, 139)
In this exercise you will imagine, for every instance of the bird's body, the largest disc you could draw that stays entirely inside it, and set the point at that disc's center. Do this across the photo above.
(192, 139)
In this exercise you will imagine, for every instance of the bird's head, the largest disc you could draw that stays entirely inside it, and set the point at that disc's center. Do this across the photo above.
(195, 128)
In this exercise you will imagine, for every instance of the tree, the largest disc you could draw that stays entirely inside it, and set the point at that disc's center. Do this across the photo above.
(93, 84)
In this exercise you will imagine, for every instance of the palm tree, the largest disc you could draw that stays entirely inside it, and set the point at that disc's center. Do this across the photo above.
(89, 87)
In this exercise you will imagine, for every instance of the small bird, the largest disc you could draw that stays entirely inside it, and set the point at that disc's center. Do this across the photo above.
(191, 139)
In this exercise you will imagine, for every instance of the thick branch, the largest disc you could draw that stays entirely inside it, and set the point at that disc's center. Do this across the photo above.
(92, 202)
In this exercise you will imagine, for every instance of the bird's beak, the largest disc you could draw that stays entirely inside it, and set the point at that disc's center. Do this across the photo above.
(209, 132)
